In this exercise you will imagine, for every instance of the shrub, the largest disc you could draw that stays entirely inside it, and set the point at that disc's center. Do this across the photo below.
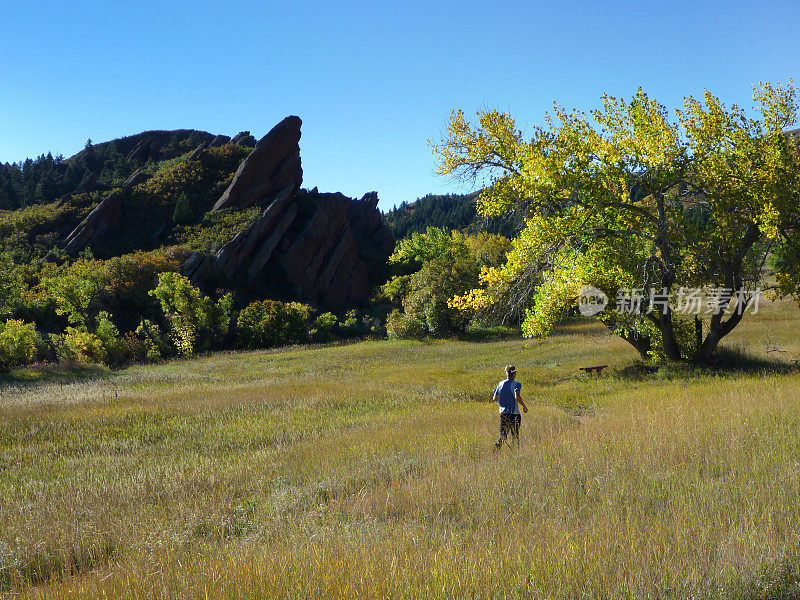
(215, 229)
(183, 210)
(268, 323)
(119, 350)
(396, 289)
(403, 326)
(195, 320)
(82, 346)
(350, 325)
(11, 286)
(432, 286)
(297, 322)
(128, 280)
(152, 344)
(74, 288)
(431, 269)
(372, 327)
(324, 326)
(19, 344)
(133, 349)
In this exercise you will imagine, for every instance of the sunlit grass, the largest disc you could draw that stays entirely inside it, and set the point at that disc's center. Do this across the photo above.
(366, 471)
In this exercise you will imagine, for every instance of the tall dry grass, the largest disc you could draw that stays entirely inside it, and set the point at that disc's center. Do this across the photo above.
(367, 472)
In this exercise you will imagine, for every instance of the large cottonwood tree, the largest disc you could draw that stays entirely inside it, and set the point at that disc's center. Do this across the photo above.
(629, 198)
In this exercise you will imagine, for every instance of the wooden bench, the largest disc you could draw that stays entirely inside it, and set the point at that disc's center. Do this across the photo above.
(597, 369)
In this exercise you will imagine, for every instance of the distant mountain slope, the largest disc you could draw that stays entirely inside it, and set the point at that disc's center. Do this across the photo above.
(100, 166)
(138, 213)
(452, 211)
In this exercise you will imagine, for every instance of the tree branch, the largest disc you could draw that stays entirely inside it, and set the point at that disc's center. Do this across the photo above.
(623, 232)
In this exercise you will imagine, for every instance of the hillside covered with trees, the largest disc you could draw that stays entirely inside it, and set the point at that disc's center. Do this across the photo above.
(99, 166)
(450, 211)
(171, 243)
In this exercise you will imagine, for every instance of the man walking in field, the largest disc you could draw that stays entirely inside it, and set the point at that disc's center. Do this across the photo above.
(507, 395)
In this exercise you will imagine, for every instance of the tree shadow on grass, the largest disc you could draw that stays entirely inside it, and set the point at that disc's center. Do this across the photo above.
(490, 334)
(728, 360)
(55, 373)
(732, 359)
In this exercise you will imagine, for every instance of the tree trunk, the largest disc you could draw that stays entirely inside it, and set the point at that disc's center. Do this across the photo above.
(718, 328)
(709, 345)
(671, 349)
(641, 343)
(664, 320)
(698, 334)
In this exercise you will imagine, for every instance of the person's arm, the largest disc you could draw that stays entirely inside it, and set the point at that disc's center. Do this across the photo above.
(518, 396)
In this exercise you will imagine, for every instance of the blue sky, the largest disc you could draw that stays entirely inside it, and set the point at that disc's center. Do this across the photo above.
(371, 81)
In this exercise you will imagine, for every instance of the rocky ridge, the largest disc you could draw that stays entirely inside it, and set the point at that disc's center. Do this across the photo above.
(103, 218)
(159, 145)
(323, 248)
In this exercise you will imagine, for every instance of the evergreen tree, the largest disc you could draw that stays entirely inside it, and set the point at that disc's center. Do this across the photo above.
(183, 210)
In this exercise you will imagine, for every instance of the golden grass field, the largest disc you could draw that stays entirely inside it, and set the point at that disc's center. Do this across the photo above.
(367, 471)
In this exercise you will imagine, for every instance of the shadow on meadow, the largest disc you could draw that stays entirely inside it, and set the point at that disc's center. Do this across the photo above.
(729, 360)
(55, 373)
(490, 334)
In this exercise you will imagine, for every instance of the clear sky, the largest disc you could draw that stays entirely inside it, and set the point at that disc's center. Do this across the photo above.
(372, 81)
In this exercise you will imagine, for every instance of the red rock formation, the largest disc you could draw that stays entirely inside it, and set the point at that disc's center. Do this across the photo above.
(103, 217)
(273, 167)
(328, 249)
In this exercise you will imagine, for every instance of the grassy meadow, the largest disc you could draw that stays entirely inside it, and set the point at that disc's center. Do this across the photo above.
(367, 471)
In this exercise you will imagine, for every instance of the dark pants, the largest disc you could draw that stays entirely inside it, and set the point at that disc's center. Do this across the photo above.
(509, 423)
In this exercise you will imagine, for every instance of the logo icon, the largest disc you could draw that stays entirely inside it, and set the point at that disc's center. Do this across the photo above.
(591, 301)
